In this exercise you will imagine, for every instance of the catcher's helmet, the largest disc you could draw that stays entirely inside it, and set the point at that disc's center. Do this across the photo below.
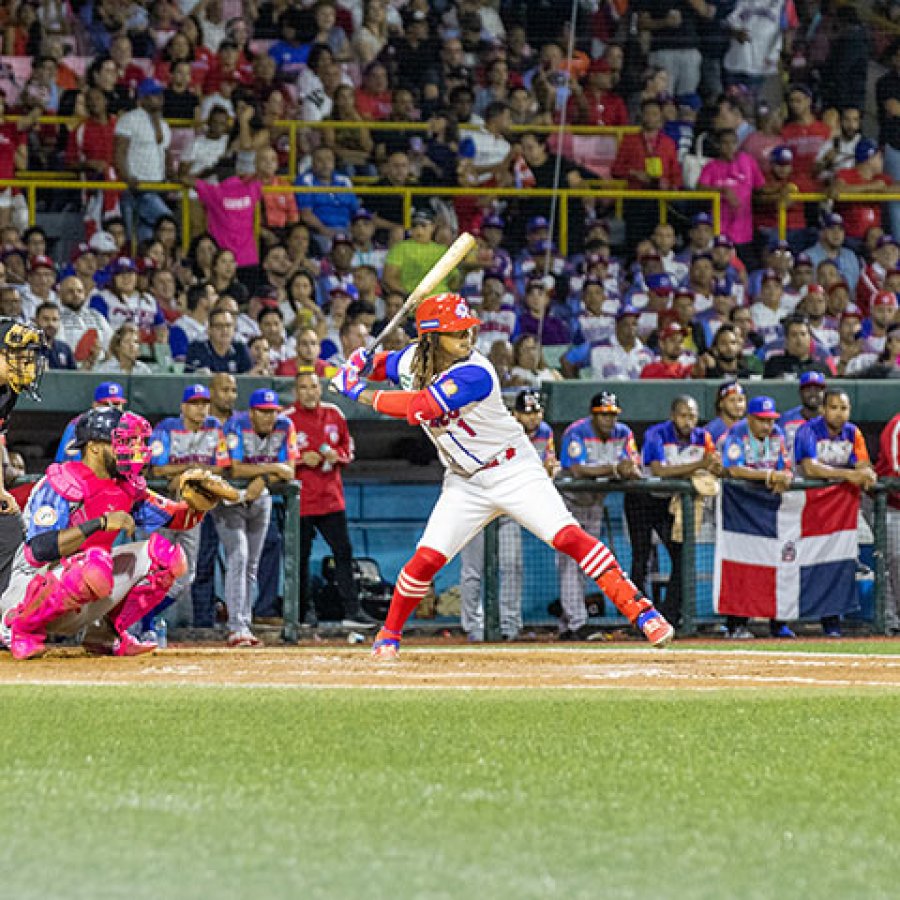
(25, 352)
(126, 432)
(444, 312)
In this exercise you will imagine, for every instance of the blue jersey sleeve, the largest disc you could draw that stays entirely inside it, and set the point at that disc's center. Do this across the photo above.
(160, 445)
(67, 450)
(578, 355)
(98, 303)
(653, 449)
(391, 365)
(46, 511)
(234, 437)
(178, 343)
(284, 451)
(574, 449)
(733, 451)
(805, 444)
(149, 516)
(465, 385)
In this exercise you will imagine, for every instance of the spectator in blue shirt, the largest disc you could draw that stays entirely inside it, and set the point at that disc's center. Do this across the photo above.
(325, 214)
(59, 353)
(831, 246)
(221, 352)
(290, 53)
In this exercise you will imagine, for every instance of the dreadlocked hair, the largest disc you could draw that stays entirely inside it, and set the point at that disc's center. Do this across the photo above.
(423, 360)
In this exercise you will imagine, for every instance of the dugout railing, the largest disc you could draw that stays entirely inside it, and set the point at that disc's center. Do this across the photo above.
(696, 550)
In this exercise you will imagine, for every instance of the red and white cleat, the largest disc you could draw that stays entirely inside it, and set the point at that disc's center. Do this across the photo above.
(656, 629)
(387, 646)
(128, 645)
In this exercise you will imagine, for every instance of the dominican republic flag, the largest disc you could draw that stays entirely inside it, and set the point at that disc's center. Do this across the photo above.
(786, 556)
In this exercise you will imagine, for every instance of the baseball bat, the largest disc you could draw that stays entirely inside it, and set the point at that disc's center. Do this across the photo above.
(452, 257)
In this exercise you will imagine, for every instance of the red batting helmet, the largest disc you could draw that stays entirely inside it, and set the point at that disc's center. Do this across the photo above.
(444, 312)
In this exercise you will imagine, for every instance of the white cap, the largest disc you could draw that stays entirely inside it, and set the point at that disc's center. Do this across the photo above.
(103, 242)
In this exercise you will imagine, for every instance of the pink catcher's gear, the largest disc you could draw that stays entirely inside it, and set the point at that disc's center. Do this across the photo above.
(129, 444)
(167, 564)
(80, 579)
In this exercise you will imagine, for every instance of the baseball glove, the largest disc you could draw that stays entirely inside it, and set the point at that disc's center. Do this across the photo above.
(203, 490)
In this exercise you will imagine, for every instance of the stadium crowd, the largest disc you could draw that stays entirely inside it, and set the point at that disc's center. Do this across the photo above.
(754, 104)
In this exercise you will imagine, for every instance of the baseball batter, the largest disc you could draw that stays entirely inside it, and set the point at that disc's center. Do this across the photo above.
(492, 468)
(67, 574)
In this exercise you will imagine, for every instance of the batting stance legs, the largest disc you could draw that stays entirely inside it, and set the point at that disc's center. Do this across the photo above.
(519, 488)
(114, 589)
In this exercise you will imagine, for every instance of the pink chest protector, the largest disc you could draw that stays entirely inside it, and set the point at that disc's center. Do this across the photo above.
(91, 497)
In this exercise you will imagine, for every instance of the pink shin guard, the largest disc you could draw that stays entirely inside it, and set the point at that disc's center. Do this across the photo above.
(79, 580)
(167, 564)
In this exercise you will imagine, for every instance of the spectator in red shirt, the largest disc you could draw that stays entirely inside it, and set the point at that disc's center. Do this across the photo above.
(13, 153)
(670, 349)
(374, 99)
(804, 135)
(597, 104)
(885, 258)
(647, 161)
(780, 185)
(325, 446)
(866, 177)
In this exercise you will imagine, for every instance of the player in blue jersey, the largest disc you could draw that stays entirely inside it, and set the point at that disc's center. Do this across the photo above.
(191, 440)
(452, 391)
(754, 450)
(597, 446)
(107, 393)
(676, 448)
(812, 396)
(529, 412)
(262, 445)
(731, 406)
(832, 447)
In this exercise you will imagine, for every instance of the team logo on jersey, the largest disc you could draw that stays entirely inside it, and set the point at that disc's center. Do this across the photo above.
(449, 387)
(157, 448)
(302, 440)
(574, 449)
(734, 452)
(331, 432)
(45, 516)
(232, 441)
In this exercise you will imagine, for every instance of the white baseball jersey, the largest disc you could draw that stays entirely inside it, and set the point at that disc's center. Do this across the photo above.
(476, 427)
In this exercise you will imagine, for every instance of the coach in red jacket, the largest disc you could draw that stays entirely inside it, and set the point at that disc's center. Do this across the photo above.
(325, 447)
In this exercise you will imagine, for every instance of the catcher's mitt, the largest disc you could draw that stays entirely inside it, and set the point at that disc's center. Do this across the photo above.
(203, 490)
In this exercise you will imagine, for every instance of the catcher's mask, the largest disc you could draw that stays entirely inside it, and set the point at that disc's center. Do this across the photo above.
(24, 350)
(125, 432)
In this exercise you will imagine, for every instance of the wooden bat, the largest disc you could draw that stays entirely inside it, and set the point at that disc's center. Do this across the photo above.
(453, 256)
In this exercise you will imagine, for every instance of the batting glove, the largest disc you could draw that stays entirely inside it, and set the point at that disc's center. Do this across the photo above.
(363, 361)
(348, 381)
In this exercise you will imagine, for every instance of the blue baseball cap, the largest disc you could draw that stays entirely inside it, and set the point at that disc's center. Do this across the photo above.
(264, 398)
(149, 87)
(782, 156)
(762, 407)
(721, 288)
(722, 240)
(626, 311)
(692, 101)
(832, 220)
(109, 392)
(195, 392)
(866, 148)
(362, 213)
(122, 266)
(537, 222)
(808, 378)
(777, 246)
(660, 284)
(493, 222)
(701, 219)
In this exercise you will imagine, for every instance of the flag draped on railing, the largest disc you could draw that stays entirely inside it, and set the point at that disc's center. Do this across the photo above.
(787, 556)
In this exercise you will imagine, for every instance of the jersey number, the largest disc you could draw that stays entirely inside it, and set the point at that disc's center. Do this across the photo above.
(462, 424)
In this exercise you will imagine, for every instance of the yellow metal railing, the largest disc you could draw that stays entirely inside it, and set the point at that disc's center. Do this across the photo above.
(564, 196)
(882, 197)
(293, 126)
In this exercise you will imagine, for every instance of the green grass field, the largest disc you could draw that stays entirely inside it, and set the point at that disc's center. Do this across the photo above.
(233, 793)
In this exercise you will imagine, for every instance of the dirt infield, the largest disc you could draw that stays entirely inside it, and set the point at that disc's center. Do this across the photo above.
(467, 668)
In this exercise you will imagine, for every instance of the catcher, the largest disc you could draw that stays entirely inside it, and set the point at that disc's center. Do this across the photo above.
(67, 575)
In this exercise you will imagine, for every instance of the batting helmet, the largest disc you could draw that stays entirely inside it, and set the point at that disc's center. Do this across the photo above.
(444, 312)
